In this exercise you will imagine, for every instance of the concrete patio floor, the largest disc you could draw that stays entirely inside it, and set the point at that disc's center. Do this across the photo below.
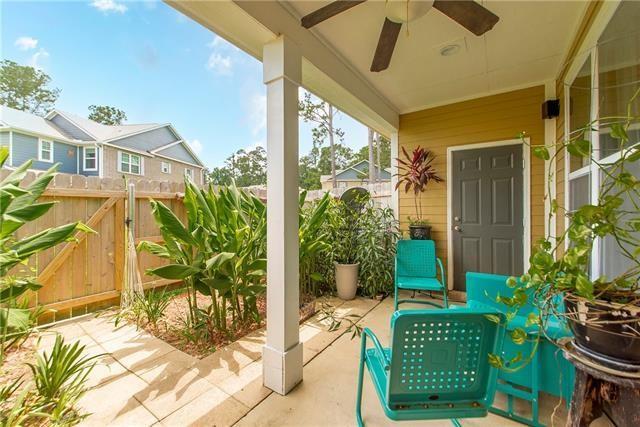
(142, 381)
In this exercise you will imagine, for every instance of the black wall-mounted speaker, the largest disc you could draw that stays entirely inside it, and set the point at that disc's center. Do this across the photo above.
(551, 109)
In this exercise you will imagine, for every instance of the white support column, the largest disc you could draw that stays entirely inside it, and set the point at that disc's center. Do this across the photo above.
(395, 197)
(282, 354)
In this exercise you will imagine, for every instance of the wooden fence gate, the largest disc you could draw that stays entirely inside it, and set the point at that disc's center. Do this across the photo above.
(87, 274)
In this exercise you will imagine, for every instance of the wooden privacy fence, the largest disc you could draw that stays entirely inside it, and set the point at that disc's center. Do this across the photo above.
(88, 273)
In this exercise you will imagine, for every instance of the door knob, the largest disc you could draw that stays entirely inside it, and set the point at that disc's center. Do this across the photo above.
(455, 218)
(457, 228)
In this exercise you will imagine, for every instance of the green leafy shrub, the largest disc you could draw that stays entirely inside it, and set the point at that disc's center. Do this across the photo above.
(64, 369)
(366, 236)
(59, 381)
(219, 253)
(18, 206)
(376, 250)
(147, 308)
(314, 244)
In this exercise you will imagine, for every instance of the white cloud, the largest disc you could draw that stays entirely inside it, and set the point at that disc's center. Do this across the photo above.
(107, 6)
(37, 59)
(220, 64)
(257, 110)
(26, 43)
(196, 146)
(219, 42)
(222, 56)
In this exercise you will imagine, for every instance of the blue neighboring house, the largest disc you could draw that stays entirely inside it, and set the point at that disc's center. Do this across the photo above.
(354, 175)
(82, 146)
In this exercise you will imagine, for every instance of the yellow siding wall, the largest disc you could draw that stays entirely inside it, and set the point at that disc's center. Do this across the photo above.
(493, 118)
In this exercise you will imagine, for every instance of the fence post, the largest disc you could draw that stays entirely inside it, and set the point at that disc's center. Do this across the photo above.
(119, 242)
(132, 205)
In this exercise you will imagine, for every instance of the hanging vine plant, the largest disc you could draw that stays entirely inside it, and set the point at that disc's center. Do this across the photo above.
(602, 312)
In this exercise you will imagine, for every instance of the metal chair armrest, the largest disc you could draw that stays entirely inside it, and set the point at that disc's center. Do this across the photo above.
(443, 277)
(395, 271)
(366, 332)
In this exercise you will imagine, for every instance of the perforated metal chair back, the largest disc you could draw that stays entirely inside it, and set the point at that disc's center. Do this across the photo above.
(439, 358)
(416, 258)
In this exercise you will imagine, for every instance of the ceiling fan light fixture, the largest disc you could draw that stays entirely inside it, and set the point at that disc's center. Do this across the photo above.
(403, 11)
(450, 49)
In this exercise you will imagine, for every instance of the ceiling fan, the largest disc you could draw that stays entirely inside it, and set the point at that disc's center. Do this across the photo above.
(467, 13)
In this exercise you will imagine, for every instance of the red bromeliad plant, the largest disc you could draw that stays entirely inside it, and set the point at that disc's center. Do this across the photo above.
(415, 172)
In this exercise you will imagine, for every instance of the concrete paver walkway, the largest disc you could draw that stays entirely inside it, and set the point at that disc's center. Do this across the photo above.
(143, 381)
(140, 380)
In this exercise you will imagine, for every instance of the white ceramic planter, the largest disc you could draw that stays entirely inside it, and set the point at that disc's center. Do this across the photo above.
(347, 280)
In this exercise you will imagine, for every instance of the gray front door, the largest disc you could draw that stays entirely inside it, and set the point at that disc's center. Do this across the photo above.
(487, 221)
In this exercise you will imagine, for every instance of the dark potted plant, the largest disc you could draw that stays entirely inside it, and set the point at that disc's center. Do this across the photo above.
(602, 312)
(415, 172)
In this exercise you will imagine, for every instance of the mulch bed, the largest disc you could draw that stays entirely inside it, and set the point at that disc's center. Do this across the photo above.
(171, 328)
(15, 362)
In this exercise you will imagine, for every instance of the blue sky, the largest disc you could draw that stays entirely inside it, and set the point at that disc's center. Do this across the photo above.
(155, 64)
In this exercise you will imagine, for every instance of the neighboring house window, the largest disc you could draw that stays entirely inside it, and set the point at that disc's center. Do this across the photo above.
(90, 159)
(165, 167)
(130, 163)
(45, 151)
(189, 172)
(604, 85)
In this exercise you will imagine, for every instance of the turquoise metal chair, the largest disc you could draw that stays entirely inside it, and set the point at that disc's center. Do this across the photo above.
(437, 366)
(416, 271)
(548, 371)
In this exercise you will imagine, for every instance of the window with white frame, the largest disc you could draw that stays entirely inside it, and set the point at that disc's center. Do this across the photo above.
(90, 159)
(165, 167)
(602, 90)
(129, 163)
(45, 151)
(189, 172)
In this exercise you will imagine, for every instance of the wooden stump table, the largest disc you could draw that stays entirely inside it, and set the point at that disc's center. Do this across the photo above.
(599, 391)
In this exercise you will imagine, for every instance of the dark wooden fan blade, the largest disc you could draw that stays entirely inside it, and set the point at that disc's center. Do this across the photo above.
(386, 43)
(326, 12)
(469, 14)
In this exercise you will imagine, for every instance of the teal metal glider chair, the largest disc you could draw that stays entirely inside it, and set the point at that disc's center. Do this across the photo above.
(437, 366)
(548, 370)
(416, 271)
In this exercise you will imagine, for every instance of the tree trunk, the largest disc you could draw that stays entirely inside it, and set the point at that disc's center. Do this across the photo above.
(379, 168)
(372, 163)
(333, 148)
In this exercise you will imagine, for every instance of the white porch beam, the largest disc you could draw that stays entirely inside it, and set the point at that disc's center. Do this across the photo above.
(251, 24)
(282, 354)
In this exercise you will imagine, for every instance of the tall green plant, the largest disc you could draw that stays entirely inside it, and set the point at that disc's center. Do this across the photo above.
(18, 206)
(365, 235)
(343, 233)
(376, 250)
(314, 243)
(219, 253)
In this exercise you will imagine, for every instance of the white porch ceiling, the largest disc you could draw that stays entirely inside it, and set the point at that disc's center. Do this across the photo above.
(525, 47)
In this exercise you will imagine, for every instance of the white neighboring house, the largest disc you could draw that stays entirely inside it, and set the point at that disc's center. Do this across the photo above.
(82, 146)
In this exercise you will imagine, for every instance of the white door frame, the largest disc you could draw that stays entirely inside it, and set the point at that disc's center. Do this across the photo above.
(526, 197)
